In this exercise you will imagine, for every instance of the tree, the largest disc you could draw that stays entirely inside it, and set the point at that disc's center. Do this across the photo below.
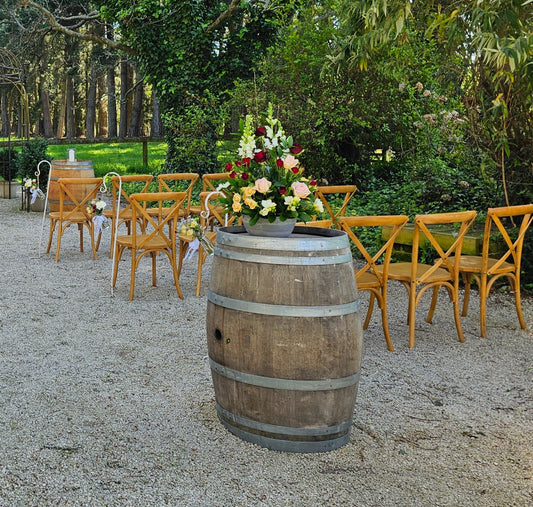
(494, 40)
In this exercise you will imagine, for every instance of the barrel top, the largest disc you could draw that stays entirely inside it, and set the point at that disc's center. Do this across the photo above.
(71, 162)
(303, 238)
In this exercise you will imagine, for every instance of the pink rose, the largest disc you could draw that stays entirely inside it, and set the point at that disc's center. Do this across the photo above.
(290, 162)
(300, 189)
(262, 185)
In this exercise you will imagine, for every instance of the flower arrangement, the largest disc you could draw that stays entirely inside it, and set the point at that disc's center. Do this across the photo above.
(96, 207)
(32, 187)
(194, 231)
(267, 181)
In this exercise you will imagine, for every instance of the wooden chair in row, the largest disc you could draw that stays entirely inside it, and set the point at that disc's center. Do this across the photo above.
(75, 194)
(154, 238)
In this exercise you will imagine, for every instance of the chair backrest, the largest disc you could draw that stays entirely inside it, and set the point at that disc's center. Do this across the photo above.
(449, 255)
(211, 181)
(179, 182)
(69, 192)
(212, 210)
(326, 224)
(127, 185)
(156, 225)
(345, 192)
(512, 235)
(353, 225)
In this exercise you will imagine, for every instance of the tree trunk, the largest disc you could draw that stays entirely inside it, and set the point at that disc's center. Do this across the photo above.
(4, 115)
(156, 127)
(45, 105)
(90, 114)
(136, 121)
(111, 103)
(124, 87)
(62, 112)
(101, 125)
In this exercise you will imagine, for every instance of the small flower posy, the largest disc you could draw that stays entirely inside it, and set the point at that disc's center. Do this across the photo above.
(191, 227)
(268, 180)
(96, 208)
(33, 188)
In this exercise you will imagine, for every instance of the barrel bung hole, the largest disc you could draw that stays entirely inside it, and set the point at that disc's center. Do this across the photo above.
(218, 335)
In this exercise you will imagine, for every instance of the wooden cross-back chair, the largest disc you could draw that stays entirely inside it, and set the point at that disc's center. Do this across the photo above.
(125, 185)
(212, 213)
(509, 224)
(418, 277)
(327, 193)
(178, 182)
(209, 184)
(325, 224)
(75, 194)
(373, 276)
(153, 239)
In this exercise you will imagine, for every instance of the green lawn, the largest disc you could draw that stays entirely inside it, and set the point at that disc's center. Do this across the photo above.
(122, 158)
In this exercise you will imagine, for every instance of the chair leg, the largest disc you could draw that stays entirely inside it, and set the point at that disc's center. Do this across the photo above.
(434, 299)
(385, 319)
(457, 314)
(60, 231)
(52, 228)
(93, 246)
(154, 278)
(175, 273)
(483, 306)
(369, 311)
(201, 259)
(80, 229)
(411, 314)
(132, 277)
(518, 300)
(118, 255)
(467, 279)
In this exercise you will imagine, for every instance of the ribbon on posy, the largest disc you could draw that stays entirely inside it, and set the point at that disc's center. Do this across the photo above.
(100, 222)
(192, 249)
(36, 192)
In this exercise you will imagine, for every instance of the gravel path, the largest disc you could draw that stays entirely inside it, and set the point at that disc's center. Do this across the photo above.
(106, 402)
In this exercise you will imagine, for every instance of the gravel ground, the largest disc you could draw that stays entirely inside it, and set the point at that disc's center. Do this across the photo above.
(110, 402)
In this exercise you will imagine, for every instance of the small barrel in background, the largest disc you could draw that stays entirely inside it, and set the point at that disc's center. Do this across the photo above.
(68, 169)
(285, 338)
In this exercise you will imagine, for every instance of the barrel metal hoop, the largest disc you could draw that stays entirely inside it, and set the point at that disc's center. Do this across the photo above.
(282, 430)
(283, 383)
(295, 243)
(284, 310)
(283, 259)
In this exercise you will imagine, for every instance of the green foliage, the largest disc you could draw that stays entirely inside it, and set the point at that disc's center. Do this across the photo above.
(8, 161)
(31, 153)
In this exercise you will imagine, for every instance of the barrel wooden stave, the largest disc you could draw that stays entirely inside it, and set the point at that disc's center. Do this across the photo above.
(68, 169)
(315, 359)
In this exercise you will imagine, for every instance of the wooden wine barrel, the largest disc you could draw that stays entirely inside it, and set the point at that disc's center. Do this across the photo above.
(284, 337)
(68, 169)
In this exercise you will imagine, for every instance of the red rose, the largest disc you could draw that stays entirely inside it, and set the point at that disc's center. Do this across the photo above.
(229, 167)
(260, 157)
(295, 170)
(312, 183)
(260, 132)
(279, 162)
(244, 176)
(282, 190)
(232, 174)
(295, 149)
(246, 161)
(238, 163)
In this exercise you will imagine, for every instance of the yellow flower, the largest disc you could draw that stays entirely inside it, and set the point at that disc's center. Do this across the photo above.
(237, 206)
(250, 203)
(236, 198)
(248, 192)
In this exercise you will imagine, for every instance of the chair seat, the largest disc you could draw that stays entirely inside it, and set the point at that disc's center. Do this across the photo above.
(156, 242)
(472, 264)
(368, 280)
(77, 216)
(402, 271)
